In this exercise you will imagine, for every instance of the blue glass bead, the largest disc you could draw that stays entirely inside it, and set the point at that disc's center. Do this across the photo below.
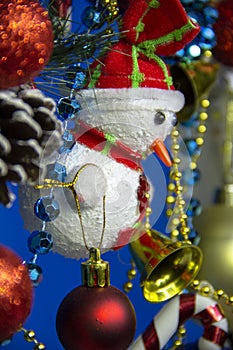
(196, 176)
(208, 33)
(46, 208)
(211, 14)
(191, 177)
(194, 237)
(71, 124)
(68, 138)
(35, 273)
(58, 172)
(194, 207)
(68, 142)
(197, 17)
(180, 53)
(192, 121)
(75, 76)
(40, 242)
(68, 107)
(192, 147)
(91, 17)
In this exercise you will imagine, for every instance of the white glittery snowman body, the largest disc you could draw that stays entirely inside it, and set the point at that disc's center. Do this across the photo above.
(129, 118)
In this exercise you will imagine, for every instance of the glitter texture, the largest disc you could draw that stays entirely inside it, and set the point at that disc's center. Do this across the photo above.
(26, 41)
(16, 293)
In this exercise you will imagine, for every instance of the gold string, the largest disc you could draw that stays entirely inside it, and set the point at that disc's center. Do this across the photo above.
(30, 336)
(50, 183)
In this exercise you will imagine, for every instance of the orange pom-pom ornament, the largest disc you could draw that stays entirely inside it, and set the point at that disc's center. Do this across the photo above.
(26, 41)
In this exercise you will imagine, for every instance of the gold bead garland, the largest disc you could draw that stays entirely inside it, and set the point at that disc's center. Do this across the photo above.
(112, 8)
(175, 201)
(217, 294)
(179, 338)
(29, 336)
(147, 224)
(131, 274)
(175, 193)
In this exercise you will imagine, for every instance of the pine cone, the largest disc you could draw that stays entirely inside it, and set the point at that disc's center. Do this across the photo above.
(28, 128)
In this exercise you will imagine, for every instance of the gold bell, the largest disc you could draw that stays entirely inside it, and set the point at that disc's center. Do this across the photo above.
(166, 267)
(194, 80)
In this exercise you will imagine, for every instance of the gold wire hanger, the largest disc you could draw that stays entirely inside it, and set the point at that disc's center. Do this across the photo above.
(51, 183)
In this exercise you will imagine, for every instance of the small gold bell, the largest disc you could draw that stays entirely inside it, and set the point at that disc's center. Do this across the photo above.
(166, 267)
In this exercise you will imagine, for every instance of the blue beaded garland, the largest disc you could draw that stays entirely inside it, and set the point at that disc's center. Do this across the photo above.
(193, 121)
(71, 124)
(211, 14)
(191, 177)
(206, 15)
(75, 76)
(46, 208)
(194, 207)
(40, 242)
(194, 237)
(196, 17)
(208, 33)
(68, 107)
(68, 142)
(35, 273)
(192, 147)
(57, 172)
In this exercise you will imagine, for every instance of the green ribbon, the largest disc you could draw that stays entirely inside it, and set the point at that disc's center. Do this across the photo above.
(154, 4)
(95, 76)
(137, 77)
(111, 140)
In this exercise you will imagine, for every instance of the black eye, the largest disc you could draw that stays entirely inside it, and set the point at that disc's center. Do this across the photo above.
(159, 118)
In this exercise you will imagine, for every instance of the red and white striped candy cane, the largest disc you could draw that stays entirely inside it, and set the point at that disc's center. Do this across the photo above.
(178, 311)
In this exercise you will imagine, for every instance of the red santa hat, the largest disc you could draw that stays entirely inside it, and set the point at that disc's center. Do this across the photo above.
(132, 68)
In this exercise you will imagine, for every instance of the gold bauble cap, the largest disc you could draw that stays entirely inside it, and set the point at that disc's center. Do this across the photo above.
(95, 271)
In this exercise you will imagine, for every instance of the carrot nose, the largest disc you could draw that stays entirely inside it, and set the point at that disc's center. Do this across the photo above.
(160, 149)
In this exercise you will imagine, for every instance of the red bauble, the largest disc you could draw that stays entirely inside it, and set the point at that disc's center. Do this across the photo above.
(223, 28)
(16, 293)
(95, 318)
(26, 41)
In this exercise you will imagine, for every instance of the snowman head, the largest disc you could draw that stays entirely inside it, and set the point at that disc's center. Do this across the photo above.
(131, 94)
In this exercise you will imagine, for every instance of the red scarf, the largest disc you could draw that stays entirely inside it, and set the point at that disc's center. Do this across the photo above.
(108, 145)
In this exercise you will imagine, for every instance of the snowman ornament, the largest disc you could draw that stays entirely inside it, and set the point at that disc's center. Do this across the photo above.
(128, 109)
